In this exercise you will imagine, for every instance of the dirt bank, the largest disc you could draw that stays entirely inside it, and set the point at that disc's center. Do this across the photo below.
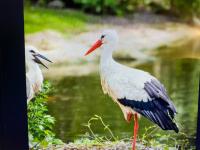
(136, 40)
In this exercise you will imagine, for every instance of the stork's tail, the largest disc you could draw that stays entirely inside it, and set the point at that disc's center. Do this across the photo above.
(164, 120)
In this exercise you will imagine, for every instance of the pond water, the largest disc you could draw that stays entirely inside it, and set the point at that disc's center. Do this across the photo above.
(77, 99)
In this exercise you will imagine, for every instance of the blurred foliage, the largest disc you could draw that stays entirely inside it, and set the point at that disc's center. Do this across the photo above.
(66, 21)
(185, 9)
(40, 123)
(181, 8)
(108, 6)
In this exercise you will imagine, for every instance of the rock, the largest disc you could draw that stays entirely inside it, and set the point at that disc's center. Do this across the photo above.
(56, 4)
(196, 21)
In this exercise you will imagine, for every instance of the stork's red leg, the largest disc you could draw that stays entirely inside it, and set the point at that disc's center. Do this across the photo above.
(136, 126)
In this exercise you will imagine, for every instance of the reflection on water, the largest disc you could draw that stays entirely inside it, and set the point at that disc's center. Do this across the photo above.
(77, 99)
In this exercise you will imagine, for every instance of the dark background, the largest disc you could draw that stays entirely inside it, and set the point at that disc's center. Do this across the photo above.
(13, 114)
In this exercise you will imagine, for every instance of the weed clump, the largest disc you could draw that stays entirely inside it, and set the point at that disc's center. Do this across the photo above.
(40, 123)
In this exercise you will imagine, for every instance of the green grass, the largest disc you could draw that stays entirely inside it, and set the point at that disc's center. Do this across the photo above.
(66, 21)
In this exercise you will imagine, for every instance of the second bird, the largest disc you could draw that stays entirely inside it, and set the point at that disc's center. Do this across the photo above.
(34, 77)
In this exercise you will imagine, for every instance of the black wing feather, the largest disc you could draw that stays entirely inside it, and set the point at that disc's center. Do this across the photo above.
(159, 109)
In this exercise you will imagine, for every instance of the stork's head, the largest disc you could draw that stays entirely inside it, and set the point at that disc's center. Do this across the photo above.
(107, 38)
(32, 55)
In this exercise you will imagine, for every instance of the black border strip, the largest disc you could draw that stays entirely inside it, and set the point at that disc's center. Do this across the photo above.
(13, 111)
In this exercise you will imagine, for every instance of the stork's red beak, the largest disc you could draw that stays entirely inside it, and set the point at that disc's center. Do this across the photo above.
(94, 46)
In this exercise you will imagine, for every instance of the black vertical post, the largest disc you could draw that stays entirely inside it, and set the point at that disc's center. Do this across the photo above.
(13, 111)
(198, 122)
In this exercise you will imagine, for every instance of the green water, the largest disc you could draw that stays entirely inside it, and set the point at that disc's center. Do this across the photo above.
(77, 99)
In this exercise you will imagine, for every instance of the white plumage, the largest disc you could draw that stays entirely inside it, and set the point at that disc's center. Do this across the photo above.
(29, 89)
(122, 82)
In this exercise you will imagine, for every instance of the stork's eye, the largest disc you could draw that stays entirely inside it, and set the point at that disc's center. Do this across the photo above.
(102, 36)
(32, 51)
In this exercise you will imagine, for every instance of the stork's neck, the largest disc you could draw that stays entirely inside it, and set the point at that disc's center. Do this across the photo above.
(107, 61)
(33, 71)
(106, 55)
(30, 65)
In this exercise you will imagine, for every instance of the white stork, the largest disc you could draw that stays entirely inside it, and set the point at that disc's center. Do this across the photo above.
(135, 91)
(34, 77)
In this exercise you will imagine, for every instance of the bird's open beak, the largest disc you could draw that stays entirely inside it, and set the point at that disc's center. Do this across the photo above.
(94, 46)
(37, 60)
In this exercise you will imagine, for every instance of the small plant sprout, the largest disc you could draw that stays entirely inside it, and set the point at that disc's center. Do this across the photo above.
(106, 127)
